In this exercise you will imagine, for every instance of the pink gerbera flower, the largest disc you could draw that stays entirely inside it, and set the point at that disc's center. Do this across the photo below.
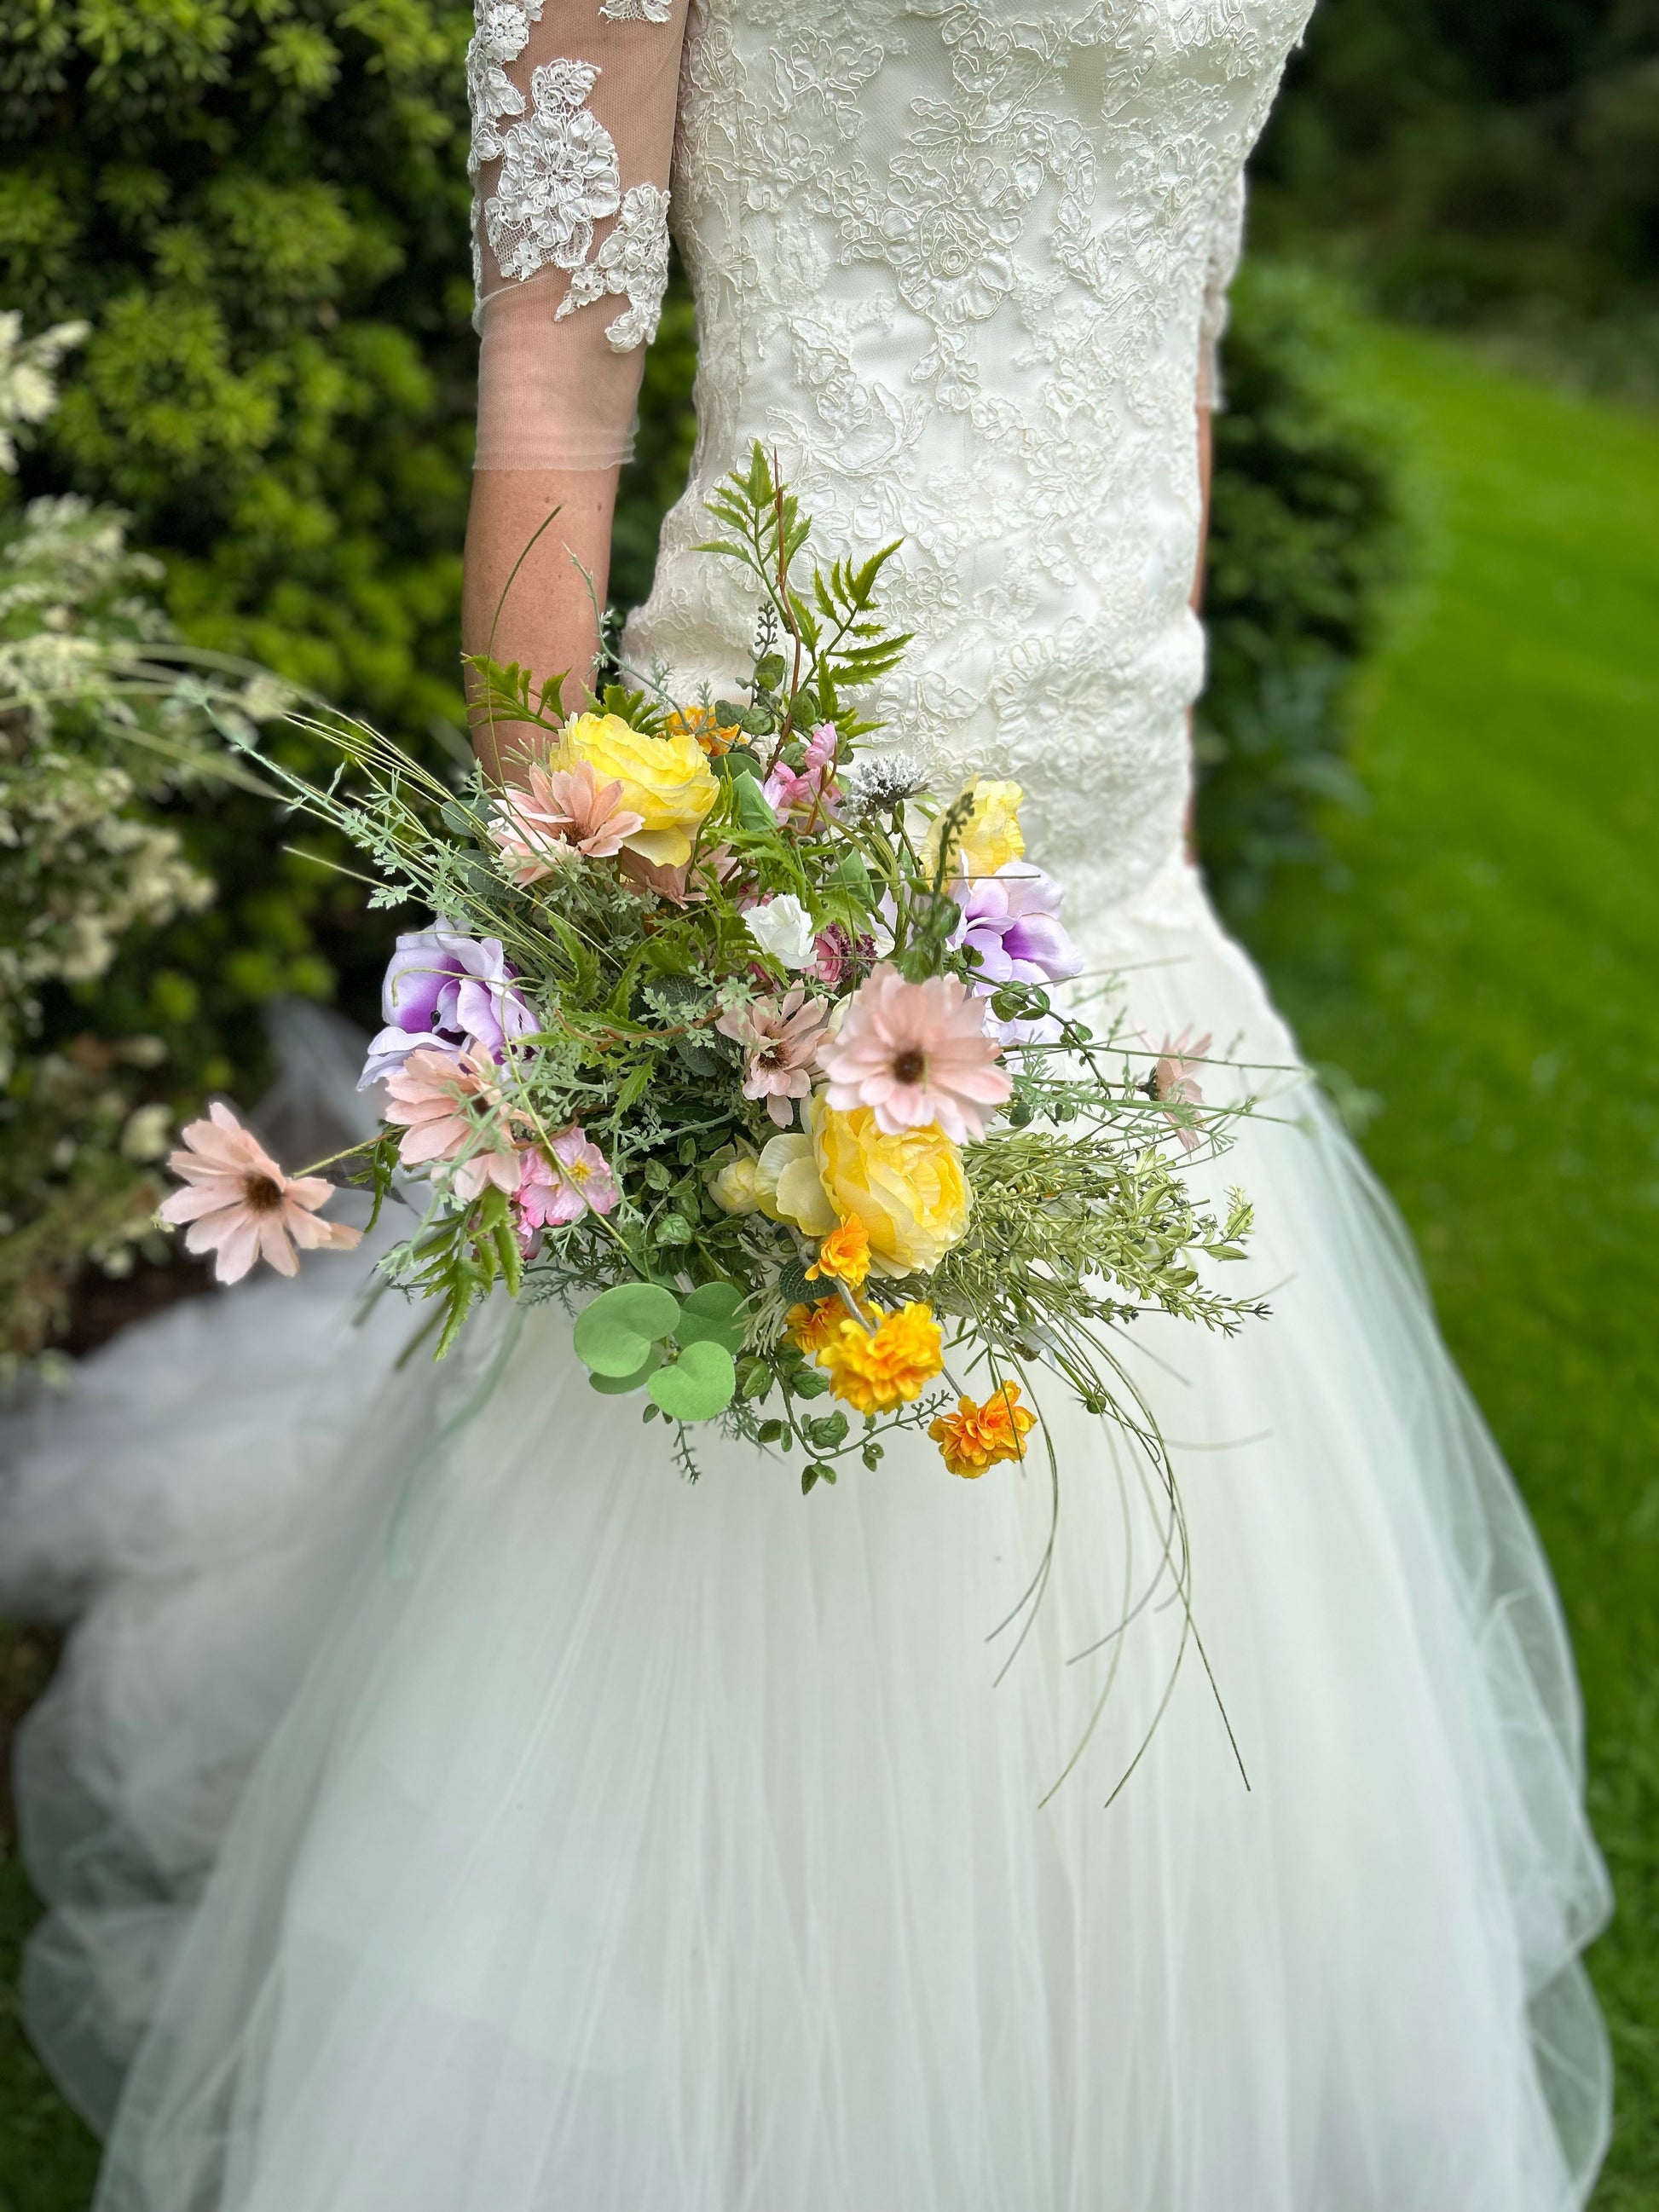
(578, 1180)
(916, 1053)
(1176, 1087)
(782, 1035)
(429, 1097)
(240, 1205)
(555, 815)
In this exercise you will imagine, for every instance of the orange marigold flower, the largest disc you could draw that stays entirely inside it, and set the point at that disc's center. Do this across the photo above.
(812, 1327)
(699, 722)
(844, 1252)
(875, 1370)
(974, 1438)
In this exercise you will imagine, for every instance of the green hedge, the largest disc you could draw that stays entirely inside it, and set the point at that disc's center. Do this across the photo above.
(261, 206)
(1488, 161)
(1309, 537)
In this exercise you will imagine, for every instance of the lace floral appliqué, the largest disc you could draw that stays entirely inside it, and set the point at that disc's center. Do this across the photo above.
(502, 34)
(636, 11)
(559, 176)
(634, 261)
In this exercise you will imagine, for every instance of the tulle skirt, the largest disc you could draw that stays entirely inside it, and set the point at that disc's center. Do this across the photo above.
(445, 1804)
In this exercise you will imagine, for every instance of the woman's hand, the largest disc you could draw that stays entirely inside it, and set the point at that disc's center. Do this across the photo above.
(544, 618)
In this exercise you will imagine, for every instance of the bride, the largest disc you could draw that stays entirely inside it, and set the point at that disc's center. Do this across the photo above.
(442, 1805)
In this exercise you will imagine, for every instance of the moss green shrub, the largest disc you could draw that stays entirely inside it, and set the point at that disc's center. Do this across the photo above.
(261, 208)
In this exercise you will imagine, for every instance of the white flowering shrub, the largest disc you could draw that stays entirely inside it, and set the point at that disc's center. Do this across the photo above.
(95, 738)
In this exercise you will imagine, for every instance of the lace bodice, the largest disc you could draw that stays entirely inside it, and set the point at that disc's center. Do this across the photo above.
(957, 261)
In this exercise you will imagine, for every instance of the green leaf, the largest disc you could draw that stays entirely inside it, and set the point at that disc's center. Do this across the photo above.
(614, 1334)
(815, 1471)
(616, 1386)
(709, 1316)
(636, 1083)
(699, 1384)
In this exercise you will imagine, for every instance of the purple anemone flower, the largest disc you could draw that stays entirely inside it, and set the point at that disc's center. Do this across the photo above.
(1012, 921)
(443, 992)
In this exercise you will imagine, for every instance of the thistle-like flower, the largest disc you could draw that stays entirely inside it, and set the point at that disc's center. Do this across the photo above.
(781, 1037)
(916, 1053)
(882, 781)
(240, 1206)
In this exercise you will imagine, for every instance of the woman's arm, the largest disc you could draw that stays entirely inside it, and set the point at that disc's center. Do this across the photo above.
(573, 129)
(543, 619)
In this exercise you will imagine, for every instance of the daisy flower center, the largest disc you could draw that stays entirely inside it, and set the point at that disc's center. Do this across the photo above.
(261, 1195)
(911, 1065)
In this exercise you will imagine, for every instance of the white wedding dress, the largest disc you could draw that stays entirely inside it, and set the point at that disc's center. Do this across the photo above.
(445, 1807)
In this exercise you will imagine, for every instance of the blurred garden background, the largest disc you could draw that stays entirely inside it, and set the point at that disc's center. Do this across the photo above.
(1430, 775)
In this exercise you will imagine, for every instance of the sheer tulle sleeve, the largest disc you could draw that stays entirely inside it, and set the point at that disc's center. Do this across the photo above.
(1226, 242)
(573, 126)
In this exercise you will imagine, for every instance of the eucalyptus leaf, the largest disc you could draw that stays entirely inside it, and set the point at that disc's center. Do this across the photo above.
(698, 1385)
(614, 1334)
(617, 1386)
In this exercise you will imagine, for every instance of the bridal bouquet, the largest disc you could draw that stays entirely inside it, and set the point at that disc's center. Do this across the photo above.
(737, 1039)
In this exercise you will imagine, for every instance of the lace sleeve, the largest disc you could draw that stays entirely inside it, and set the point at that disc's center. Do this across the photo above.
(1226, 240)
(573, 123)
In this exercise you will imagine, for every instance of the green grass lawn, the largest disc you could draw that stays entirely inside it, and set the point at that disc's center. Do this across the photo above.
(1484, 956)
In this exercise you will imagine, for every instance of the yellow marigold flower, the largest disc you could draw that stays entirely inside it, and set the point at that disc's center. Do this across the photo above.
(909, 1191)
(812, 1327)
(974, 1438)
(991, 835)
(844, 1252)
(666, 782)
(875, 1370)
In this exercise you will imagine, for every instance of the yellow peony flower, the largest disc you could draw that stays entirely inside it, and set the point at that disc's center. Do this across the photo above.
(974, 1438)
(666, 782)
(909, 1191)
(844, 1252)
(990, 836)
(875, 1370)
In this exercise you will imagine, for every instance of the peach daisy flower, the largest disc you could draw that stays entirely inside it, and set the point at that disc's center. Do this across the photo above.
(781, 1036)
(555, 814)
(916, 1053)
(240, 1206)
(1176, 1087)
(428, 1098)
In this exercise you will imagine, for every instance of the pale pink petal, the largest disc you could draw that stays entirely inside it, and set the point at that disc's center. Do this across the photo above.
(274, 1246)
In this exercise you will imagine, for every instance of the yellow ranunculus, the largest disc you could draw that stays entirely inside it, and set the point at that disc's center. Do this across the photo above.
(666, 782)
(781, 1181)
(909, 1191)
(734, 1183)
(789, 1185)
(990, 836)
